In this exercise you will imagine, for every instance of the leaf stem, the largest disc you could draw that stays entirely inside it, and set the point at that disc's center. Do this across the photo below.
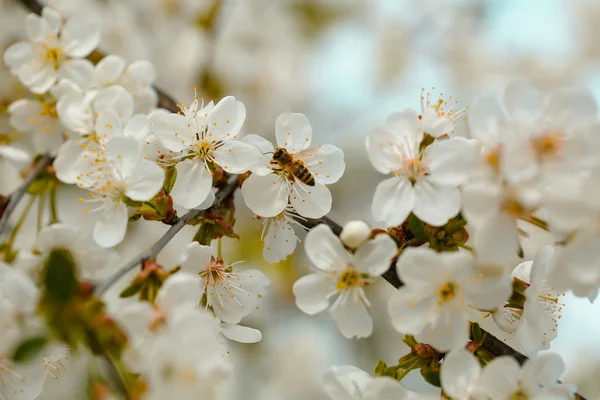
(53, 207)
(40, 211)
(20, 222)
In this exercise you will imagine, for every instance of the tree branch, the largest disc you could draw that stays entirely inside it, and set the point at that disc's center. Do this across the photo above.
(16, 197)
(153, 251)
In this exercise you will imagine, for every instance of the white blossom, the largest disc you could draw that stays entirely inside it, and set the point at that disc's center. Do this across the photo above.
(350, 383)
(534, 323)
(54, 50)
(438, 289)
(425, 180)
(278, 235)
(342, 275)
(232, 295)
(120, 175)
(270, 187)
(438, 117)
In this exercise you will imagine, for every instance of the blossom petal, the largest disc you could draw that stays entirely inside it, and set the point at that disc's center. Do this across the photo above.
(280, 240)
(115, 98)
(197, 258)
(410, 310)
(375, 256)
(293, 132)
(143, 72)
(449, 331)
(144, 181)
(326, 163)
(192, 185)
(451, 161)
(138, 127)
(16, 157)
(352, 318)
(417, 266)
(487, 121)
(107, 126)
(310, 201)
(50, 22)
(75, 112)
(570, 106)
(226, 119)
(241, 334)
(345, 382)
(481, 201)
(111, 226)
(325, 250)
(80, 35)
(313, 292)
(55, 236)
(181, 288)
(523, 101)
(109, 70)
(496, 240)
(38, 77)
(393, 201)
(500, 378)
(81, 72)
(542, 370)
(459, 373)
(265, 148)
(435, 204)
(266, 196)
(70, 161)
(379, 145)
(172, 130)
(18, 54)
(236, 157)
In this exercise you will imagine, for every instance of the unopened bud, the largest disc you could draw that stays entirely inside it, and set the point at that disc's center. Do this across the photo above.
(355, 233)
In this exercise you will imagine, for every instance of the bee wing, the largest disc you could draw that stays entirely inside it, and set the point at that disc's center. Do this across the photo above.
(306, 155)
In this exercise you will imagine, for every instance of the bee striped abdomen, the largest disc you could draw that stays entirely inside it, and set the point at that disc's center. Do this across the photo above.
(300, 171)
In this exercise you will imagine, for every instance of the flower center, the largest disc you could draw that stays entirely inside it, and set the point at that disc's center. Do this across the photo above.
(214, 273)
(519, 395)
(54, 56)
(548, 145)
(49, 109)
(447, 292)
(349, 278)
(413, 168)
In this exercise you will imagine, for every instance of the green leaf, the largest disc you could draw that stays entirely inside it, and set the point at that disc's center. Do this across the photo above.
(204, 235)
(60, 276)
(431, 375)
(29, 349)
(477, 333)
(130, 291)
(170, 177)
(417, 227)
(135, 217)
(409, 340)
(380, 368)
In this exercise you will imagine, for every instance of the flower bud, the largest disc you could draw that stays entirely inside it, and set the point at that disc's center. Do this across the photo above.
(355, 233)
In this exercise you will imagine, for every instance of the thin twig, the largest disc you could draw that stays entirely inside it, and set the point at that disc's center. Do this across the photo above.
(16, 197)
(153, 251)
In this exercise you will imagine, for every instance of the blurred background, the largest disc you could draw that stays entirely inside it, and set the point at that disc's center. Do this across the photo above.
(346, 64)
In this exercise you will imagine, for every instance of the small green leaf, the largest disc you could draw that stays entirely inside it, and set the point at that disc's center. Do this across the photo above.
(409, 340)
(431, 375)
(477, 333)
(29, 349)
(130, 291)
(170, 177)
(380, 368)
(135, 217)
(204, 235)
(417, 227)
(60, 276)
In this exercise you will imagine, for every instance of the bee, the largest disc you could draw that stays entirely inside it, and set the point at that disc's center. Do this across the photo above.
(294, 167)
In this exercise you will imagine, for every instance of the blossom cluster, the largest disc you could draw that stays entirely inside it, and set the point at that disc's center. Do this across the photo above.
(450, 234)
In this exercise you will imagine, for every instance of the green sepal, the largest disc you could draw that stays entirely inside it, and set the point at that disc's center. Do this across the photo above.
(29, 349)
(59, 276)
